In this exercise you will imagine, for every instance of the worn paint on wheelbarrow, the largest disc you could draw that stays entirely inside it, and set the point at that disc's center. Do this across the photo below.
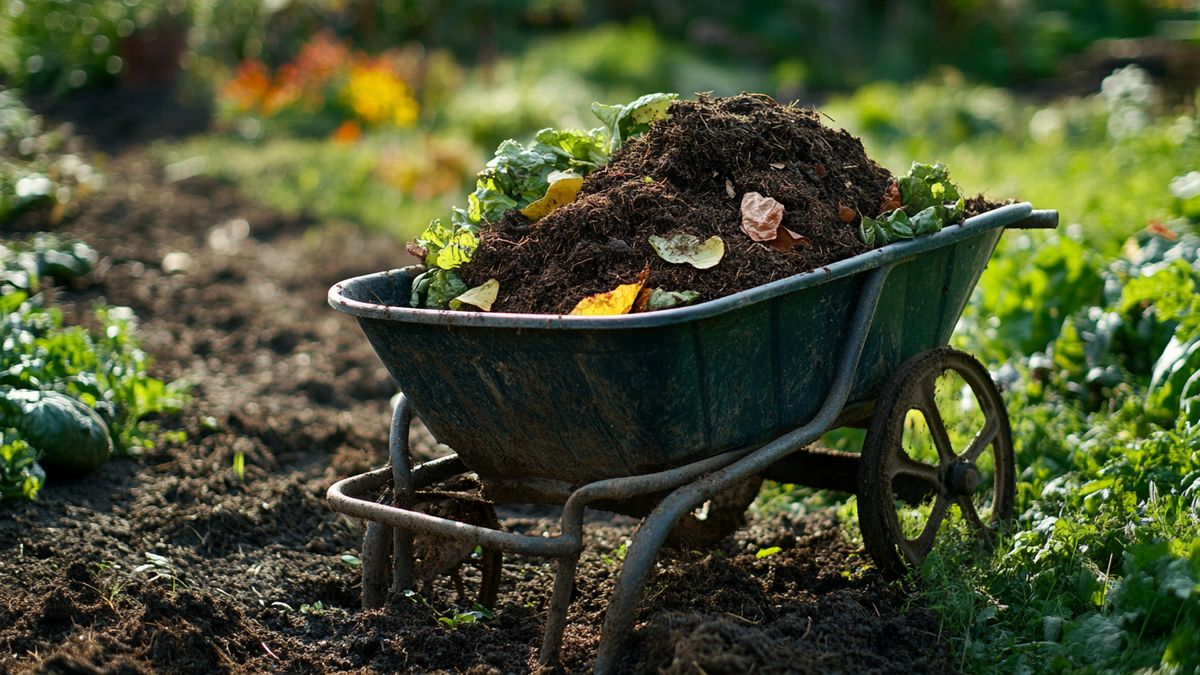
(580, 399)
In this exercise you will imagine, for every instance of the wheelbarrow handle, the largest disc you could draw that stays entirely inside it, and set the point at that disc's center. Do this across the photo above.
(1040, 219)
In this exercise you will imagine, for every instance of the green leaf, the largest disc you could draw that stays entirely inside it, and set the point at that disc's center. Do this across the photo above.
(20, 474)
(435, 288)
(767, 552)
(623, 122)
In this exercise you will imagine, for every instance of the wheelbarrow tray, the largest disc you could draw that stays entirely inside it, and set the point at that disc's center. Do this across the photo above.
(580, 399)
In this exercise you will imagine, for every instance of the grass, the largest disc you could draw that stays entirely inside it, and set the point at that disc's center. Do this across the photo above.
(389, 184)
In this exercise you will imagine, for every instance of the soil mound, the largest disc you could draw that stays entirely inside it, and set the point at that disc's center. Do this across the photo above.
(688, 174)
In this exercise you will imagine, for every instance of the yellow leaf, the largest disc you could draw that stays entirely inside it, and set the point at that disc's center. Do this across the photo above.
(482, 296)
(560, 193)
(617, 301)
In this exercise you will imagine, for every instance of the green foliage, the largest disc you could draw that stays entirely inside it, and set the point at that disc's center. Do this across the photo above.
(74, 396)
(23, 265)
(20, 474)
(394, 184)
(58, 45)
(926, 190)
(625, 121)
(518, 175)
(34, 169)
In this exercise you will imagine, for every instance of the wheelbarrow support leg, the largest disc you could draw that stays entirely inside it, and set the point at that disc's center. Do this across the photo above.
(654, 529)
(402, 566)
(376, 554)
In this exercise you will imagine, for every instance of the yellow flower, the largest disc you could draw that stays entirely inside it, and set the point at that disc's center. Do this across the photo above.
(378, 96)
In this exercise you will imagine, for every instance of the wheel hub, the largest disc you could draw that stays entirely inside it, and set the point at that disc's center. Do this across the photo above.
(962, 478)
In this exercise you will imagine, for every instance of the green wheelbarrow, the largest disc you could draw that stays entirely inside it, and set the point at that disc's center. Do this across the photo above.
(679, 414)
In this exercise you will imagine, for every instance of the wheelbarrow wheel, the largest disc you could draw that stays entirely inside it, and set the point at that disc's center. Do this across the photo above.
(939, 444)
(454, 572)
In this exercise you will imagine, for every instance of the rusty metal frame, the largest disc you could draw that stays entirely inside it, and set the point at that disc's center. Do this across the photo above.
(390, 527)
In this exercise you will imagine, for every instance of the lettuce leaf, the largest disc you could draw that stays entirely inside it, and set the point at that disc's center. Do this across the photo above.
(927, 192)
(518, 175)
(623, 122)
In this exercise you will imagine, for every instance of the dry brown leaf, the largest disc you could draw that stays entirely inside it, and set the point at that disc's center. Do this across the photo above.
(643, 299)
(819, 169)
(416, 250)
(788, 240)
(891, 198)
(761, 216)
(845, 213)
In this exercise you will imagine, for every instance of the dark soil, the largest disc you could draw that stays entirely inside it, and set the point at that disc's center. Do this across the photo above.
(688, 174)
(293, 385)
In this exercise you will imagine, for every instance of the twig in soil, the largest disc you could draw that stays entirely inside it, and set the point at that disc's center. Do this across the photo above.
(268, 651)
(807, 629)
(743, 619)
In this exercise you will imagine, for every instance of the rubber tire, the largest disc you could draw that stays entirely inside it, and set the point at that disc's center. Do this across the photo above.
(886, 431)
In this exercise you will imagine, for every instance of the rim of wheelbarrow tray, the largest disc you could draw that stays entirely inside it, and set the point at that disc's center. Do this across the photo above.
(896, 252)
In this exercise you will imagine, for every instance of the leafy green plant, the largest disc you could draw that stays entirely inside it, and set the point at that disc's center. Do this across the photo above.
(73, 396)
(517, 176)
(57, 45)
(20, 474)
(927, 192)
(35, 167)
(24, 265)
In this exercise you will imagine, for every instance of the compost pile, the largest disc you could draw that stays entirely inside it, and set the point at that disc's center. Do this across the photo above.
(689, 174)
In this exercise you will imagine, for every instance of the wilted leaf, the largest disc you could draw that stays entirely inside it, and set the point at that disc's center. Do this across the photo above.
(891, 198)
(482, 296)
(845, 213)
(658, 299)
(685, 248)
(617, 301)
(416, 250)
(564, 187)
(788, 240)
(729, 189)
(761, 216)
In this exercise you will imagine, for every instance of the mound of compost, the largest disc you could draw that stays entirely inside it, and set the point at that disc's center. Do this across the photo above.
(688, 174)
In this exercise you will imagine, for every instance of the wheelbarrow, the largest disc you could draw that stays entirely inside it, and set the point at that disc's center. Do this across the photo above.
(660, 414)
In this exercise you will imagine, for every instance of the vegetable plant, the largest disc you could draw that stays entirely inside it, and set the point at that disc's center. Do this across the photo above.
(516, 177)
(69, 398)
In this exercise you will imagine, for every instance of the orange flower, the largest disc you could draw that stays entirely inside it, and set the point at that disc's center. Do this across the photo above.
(249, 85)
(347, 133)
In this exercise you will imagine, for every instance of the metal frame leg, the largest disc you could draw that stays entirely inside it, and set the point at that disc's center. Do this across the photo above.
(376, 555)
(402, 488)
(649, 538)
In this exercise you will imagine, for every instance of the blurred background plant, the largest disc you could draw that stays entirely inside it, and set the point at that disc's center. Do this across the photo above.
(380, 112)
(38, 167)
